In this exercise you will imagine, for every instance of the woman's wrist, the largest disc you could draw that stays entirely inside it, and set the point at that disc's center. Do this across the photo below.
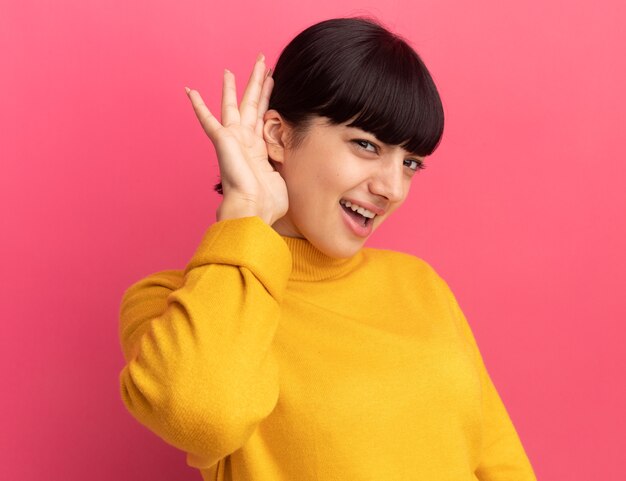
(237, 210)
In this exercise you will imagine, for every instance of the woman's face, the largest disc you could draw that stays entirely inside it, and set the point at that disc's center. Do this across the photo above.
(336, 164)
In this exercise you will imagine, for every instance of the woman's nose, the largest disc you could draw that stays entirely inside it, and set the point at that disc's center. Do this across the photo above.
(388, 181)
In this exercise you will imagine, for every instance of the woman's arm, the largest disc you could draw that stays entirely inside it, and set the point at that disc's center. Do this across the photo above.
(199, 370)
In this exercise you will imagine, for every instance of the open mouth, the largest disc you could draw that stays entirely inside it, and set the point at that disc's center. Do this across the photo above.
(359, 214)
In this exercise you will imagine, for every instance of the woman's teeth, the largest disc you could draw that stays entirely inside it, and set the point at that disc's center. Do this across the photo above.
(356, 208)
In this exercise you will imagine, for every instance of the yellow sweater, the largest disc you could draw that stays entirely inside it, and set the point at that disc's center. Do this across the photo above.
(265, 360)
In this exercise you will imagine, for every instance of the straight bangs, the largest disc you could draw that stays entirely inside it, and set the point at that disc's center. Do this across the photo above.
(354, 70)
(392, 96)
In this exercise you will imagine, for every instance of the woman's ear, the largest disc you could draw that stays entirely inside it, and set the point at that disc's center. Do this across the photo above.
(275, 133)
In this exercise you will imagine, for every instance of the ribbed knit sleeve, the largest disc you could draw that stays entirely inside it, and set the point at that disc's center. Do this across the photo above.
(503, 457)
(199, 370)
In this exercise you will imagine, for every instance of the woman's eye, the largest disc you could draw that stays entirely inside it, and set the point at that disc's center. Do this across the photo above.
(364, 144)
(414, 164)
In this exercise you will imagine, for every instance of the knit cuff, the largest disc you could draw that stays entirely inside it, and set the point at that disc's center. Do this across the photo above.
(250, 243)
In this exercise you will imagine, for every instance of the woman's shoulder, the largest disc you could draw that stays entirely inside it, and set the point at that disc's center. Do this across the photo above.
(400, 263)
(408, 274)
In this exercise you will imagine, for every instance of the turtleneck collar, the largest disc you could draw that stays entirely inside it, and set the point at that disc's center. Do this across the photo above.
(311, 264)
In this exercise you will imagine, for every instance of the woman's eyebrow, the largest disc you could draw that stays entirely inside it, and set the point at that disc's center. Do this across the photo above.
(384, 144)
(408, 154)
(373, 136)
(360, 131)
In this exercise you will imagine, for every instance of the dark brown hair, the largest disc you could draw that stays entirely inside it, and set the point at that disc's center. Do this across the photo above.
(355, 69)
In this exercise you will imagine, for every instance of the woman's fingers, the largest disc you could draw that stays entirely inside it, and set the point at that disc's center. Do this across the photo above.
(209, 123)
(264, 102)
(250, 100)
(230, 112)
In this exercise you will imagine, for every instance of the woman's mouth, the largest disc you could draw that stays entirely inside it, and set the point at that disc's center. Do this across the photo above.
(358, 218)
(360, 214)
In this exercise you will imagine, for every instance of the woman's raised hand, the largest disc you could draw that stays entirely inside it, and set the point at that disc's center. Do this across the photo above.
(250, 185)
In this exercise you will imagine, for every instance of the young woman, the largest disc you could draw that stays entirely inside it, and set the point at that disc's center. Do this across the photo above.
(285, 350)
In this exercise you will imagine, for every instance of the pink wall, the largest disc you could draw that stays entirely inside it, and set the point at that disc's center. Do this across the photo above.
(106, 177)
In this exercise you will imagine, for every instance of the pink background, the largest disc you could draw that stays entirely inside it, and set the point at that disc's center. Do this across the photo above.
(106, 177)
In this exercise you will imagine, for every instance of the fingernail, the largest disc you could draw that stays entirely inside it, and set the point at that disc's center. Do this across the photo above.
(269, 72)
(187, 89)
(260, 57)
(227, 71)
